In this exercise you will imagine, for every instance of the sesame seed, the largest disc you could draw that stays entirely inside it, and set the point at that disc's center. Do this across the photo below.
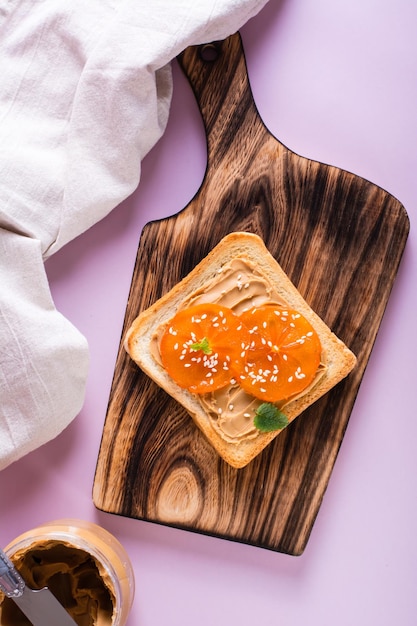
(231, 407)
(246, 415)
(187, 364)
(290, 379)
(175, 346)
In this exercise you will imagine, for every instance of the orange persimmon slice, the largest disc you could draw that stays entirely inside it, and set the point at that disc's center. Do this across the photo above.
(284, 354)
(202, 346)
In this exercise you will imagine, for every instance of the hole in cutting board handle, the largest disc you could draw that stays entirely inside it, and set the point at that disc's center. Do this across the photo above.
(209, 52)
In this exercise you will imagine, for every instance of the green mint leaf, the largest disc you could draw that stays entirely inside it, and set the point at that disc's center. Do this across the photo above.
(202, 345)
(268, 418)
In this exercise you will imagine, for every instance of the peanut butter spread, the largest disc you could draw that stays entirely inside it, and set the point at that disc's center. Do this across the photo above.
(73, 576)
(239, 286)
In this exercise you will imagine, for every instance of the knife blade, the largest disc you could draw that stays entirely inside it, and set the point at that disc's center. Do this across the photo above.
(39, 605)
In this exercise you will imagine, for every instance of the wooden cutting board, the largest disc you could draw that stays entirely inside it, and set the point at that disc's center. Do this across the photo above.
(339, 238)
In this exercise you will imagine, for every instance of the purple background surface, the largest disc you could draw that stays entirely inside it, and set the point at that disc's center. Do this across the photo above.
(337, 82)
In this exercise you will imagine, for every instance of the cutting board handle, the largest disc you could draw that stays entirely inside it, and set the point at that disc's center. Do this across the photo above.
(218, 76)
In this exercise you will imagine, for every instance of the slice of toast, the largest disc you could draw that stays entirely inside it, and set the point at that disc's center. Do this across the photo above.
(141, 340)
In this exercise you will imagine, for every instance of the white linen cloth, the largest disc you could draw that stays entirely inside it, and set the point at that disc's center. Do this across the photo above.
(85, 89)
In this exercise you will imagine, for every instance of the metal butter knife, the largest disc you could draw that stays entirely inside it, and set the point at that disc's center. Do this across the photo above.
(40, 606)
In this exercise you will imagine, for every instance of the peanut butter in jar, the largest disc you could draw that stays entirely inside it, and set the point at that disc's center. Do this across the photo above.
(83, 565)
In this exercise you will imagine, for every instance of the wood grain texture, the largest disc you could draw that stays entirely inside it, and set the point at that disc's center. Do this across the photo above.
(340, 239)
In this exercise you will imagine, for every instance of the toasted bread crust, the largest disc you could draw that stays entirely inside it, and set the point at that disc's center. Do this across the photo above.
(339, 360)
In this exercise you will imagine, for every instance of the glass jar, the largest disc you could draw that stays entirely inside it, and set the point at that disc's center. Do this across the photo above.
(84, 566)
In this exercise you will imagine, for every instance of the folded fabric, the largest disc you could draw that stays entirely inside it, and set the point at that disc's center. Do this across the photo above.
(85, 90)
